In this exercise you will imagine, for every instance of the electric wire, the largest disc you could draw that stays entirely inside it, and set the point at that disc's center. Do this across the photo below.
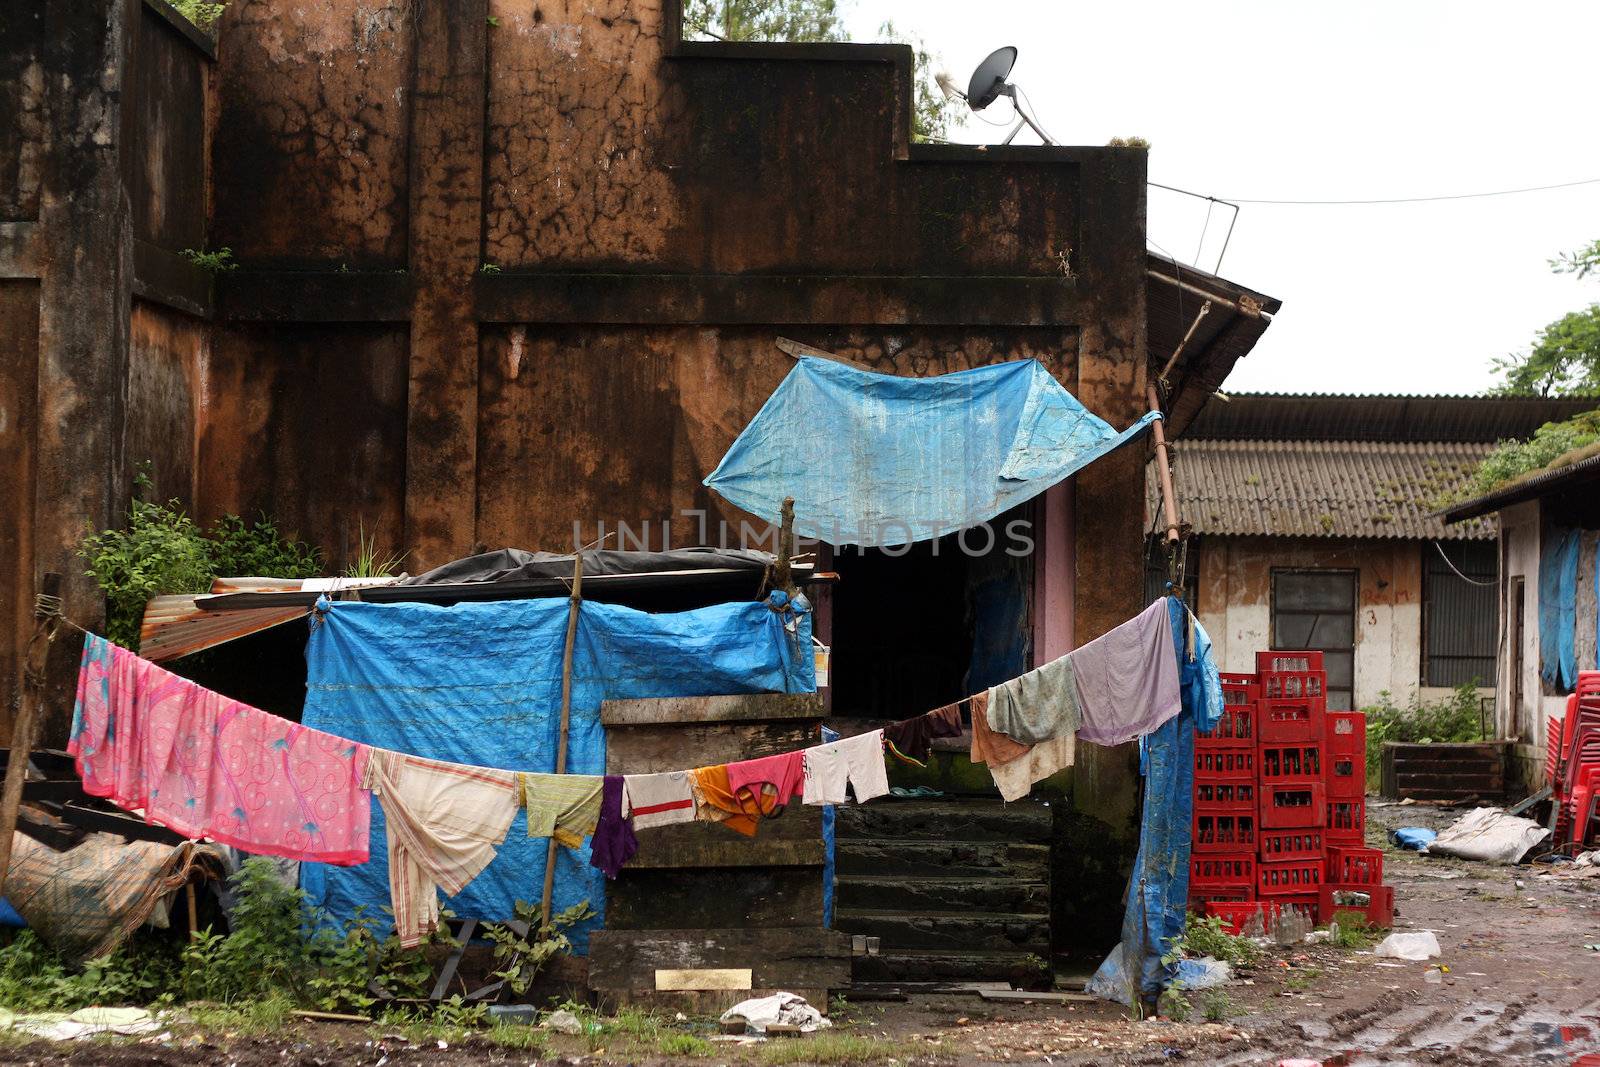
(1452, 566)
(1414, 199)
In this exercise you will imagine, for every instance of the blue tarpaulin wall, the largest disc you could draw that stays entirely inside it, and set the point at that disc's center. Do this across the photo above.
(877, 460)
(480, 684)
(1558, 609)
(1158, 889)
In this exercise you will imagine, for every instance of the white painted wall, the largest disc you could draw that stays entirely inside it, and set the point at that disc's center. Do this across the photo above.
(1236, 609)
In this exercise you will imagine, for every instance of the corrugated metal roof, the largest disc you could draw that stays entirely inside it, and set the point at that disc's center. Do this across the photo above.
(1335, 417)
(1320, 489)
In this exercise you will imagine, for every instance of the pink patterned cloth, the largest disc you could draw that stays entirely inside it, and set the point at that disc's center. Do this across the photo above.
(207, 766)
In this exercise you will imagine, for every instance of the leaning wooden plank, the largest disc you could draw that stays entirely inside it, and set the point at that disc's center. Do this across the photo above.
(1041, 998)
(777, 959)
(754, 707)
(676, 980)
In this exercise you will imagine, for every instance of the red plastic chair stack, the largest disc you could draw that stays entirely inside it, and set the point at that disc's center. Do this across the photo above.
(1572, 763)
(1300, 770)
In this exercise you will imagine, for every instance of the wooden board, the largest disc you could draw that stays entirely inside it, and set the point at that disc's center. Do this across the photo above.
(756, 707)
(670, 898)
(777, 959)
(1041, 998)
(793, 839)
(682, 746)
(673, 980)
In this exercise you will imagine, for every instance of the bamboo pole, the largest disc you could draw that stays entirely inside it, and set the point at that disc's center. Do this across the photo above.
(47, 615)
(574, 602)
(783, 577)
(1169, 503)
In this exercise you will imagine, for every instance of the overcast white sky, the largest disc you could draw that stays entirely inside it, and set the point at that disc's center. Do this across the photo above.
(1345, 100)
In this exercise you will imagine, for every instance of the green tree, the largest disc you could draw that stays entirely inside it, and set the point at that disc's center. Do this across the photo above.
(819, 20)
(1565, 357)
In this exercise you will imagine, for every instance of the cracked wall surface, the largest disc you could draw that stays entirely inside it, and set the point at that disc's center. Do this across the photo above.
(310, 145)
(576, 112)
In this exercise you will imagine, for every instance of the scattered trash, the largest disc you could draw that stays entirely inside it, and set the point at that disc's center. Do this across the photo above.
(781, 1008)
(1413, 837)
(1418, 946)
(522, 1014)
(1490, 835)
(562, 1022)
(1203, 973)
(1433, 975)
(1300, 1063)
(1316, 937)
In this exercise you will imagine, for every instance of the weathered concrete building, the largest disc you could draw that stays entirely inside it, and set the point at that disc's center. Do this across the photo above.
(1549, 522)
(500, 270)
(1314, 525)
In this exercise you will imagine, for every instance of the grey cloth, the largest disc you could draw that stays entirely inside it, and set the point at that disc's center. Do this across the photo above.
(1038, 706)
(1128, 678)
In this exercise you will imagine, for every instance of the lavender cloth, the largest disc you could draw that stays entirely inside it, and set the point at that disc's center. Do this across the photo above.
(613, 843)
(1128, 679)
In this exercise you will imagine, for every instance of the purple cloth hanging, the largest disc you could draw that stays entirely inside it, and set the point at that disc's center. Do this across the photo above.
(613, 843)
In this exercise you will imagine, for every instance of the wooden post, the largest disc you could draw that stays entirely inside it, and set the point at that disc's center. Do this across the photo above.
(574, 601)
(782, 578)
(47, 615)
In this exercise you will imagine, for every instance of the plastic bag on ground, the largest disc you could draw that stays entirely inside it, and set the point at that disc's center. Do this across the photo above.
(782, 1008)
(1416, 838)
(1488, 834)
(1416, 946)
(1203, 973)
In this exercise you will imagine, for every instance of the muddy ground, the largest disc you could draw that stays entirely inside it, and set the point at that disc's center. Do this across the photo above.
(1522, 987)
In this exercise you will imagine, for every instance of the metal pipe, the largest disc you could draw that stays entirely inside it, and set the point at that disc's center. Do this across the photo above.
(1253, 312)
(1205, 309)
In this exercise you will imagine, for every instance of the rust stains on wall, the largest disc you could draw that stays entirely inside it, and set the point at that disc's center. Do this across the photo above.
(19, 383)
(310, 150)
(307, 425)
(166, 351)
(619, 425)
(166, 129)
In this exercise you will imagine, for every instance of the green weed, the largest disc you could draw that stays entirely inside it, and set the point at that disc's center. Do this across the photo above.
(832, 1048)
(1206, 936)
(684, 1045)
(164, 551)
(203, 14)
(1453, 718)
(1218, 1007)
(1174, 1005)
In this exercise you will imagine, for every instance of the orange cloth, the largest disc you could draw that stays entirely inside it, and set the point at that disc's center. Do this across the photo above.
(711, 786)
(995, 749)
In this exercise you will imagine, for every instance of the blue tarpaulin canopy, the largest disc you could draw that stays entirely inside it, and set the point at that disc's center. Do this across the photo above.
(876, 460)
(480, 684)
(1558, 609)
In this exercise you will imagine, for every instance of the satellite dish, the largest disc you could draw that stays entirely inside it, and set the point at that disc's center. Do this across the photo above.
(990, 77)
(989, 84)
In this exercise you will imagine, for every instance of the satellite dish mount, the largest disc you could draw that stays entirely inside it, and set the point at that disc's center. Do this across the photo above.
(989, 83)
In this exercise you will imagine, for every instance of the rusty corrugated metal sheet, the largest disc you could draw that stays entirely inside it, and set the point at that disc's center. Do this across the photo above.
(173, 626)
(1321, 488)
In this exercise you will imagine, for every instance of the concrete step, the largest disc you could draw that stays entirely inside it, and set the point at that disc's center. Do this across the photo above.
(969, 931)
(937, 965)
(975, 859)
(924, 893)
(946, 820)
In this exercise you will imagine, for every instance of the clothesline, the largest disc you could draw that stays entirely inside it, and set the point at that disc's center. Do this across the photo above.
(205, 765)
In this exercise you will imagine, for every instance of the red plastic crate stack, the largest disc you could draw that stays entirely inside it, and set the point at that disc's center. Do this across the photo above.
(1304, 769)
(1226, 820)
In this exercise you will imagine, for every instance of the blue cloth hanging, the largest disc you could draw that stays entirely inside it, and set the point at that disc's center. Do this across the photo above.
(878, 460)
(1158, 889)
(1558, 609)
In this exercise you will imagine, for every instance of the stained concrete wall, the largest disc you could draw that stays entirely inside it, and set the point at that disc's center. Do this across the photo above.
(1235, 603)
